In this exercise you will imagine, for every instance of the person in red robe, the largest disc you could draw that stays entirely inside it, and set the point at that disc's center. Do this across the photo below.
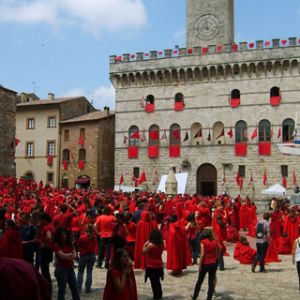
(243, 217)
(243, 252)
(10, 243)
(19, 280)
(120, 280)
(178, 252)
(143, 230)
(291, 227)
(284, 244)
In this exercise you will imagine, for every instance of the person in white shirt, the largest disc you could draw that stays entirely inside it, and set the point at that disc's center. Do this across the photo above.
(296, 257)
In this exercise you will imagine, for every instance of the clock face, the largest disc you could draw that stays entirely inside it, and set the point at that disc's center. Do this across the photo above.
(207, 27)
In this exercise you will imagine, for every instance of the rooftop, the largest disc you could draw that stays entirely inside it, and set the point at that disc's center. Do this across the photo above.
(93, 116)
(49, 102)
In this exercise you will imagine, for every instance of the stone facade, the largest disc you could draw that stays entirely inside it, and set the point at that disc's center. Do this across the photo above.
(8, 101)
(97, 143)
(208, 80)
(40, 133)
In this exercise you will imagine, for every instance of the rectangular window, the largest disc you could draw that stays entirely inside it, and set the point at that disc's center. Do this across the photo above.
(51, 148)
(66, 135)
(52, 122)
(242, 171)
(29, 149)
(136, 172)
(50, 177)
(284, 171)
(30, 123)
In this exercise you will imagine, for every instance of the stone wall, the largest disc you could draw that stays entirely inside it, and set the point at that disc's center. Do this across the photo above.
(8, 100)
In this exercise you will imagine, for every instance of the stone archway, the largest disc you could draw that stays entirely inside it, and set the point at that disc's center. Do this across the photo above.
(207, 180)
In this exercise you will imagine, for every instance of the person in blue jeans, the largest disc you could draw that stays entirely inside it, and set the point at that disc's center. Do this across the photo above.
(262, 243)
(64, 266)
(87, 258)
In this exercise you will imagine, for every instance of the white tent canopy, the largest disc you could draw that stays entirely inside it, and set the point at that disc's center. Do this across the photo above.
(276, 190)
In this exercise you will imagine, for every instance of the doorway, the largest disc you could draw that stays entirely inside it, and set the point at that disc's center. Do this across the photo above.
(207, 180)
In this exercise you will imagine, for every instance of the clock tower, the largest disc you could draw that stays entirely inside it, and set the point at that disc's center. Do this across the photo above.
(210, 22)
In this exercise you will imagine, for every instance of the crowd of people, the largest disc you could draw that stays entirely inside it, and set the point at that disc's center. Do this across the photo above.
(121, 232)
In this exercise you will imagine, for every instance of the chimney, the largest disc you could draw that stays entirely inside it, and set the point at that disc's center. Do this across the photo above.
(106, 109)
(51, 96)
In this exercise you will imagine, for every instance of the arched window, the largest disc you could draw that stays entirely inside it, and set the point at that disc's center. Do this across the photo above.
(235, 94)
(196, 134)
(275, 96)
(150, 99)
(66, 154)
(174, 134)
(82, 154)
(179, 97)
(235, 98)
(241, 134)
(153, 135)
(288, 128)
(218, 133)
(274, 91)
(134, 136)
(264, 131)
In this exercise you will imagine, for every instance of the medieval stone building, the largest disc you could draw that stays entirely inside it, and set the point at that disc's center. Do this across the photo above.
(215, 109)
(8, 101)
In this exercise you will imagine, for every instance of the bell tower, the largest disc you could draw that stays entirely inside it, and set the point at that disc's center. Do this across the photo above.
(210, 22)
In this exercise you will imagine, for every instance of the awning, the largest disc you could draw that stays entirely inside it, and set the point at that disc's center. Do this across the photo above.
(82, 180)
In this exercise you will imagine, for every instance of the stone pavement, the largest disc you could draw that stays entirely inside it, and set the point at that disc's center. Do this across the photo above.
(236, 282)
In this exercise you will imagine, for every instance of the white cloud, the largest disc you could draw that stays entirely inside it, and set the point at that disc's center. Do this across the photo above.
(102, 96)
(92, 15)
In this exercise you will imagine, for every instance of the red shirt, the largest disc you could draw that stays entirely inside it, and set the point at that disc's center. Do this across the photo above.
(86, 245)
(105, 225)
(210, 250)
(48, 227)
(64, 263)
(153, 257)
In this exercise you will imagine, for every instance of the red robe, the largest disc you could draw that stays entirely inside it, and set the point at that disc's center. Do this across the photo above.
(291, 229)
(272, 253)
(129, 292)
(244, 217)
(143, 230)
(244, 253)
(178, 250)
(10, 244)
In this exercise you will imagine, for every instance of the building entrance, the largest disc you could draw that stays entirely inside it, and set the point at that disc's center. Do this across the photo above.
(207, 180)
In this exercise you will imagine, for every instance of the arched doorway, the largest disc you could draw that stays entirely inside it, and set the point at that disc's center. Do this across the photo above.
(28, 176)
(65, 181)
(83, 181)
(207, 180)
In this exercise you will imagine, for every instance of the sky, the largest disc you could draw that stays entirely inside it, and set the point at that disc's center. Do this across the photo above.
(63, 46)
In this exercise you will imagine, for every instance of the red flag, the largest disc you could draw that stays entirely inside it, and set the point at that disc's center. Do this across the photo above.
(284, 181)
(224, 178)
(164, 136)
(209, 136)
(143, 137)
(17, 142)
(237, 178)
(241, 182)
(186, 137)
(81, 140)
(81, 164)
(176, 134)
(230, 133)
(135, 135)
(50, 160)
(153, 135)
(121, 179)
(221, 134)
(198, 134)
(142, 178)
(265, 180)
(294, 178)
(251, 179)
(279, 133)
(65, 164)
(124, 139)
(254, 134)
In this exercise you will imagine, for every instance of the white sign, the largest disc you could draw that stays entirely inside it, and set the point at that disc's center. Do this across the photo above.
(181, 183)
